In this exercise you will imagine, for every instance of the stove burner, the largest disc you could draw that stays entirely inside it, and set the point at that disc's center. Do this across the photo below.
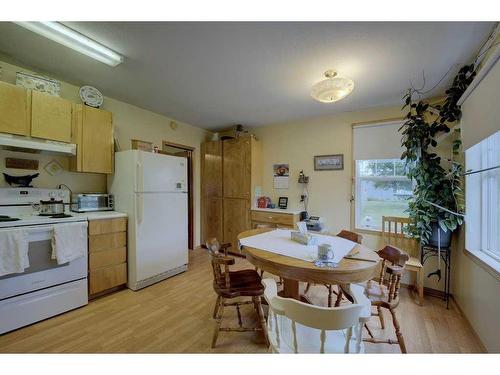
(4, 218)
(59, 216)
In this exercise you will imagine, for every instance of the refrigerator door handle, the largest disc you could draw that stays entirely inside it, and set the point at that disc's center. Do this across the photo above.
(139, 177)
(139, 208)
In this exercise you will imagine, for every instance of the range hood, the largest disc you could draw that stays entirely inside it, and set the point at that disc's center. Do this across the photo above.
(36, 146)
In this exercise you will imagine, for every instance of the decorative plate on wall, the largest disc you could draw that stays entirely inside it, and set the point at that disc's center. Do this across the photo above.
(91, 96)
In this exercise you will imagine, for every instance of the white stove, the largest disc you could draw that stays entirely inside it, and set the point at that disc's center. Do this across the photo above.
(45, 288)
(16, 208)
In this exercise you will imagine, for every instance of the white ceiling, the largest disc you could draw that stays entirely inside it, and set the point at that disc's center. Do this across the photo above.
(217, 74)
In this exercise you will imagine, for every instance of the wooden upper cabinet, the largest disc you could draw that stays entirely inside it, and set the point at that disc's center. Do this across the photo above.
(50, 117)
(93, 135)
(236, 165)
(14, 109)
(211, 171)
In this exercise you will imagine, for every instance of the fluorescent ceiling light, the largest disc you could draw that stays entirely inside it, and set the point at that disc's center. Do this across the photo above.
(70, 38)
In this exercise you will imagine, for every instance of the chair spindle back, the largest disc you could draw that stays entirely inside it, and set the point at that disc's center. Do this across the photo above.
(220, 263)
(394, 233)
(393, 264)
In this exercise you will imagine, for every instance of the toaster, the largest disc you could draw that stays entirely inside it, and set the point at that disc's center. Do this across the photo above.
(87, 202)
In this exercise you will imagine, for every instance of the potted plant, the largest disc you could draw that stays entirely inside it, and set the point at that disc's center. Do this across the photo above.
(437, 192)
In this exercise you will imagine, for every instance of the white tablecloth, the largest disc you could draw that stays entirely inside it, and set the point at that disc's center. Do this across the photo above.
(278, 241)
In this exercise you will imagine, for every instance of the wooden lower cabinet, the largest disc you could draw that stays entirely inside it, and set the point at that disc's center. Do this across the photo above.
(105, 278)
(105, 258)
(286, 220)
(107, 255)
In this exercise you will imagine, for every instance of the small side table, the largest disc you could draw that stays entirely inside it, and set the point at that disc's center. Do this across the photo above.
(429, 251)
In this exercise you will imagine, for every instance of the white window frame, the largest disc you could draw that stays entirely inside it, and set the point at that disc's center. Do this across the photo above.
(484, 199)
(357, 191)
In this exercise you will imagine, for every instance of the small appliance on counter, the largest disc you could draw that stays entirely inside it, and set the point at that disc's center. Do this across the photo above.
(49, 207)
(315, 223)
(87, 202)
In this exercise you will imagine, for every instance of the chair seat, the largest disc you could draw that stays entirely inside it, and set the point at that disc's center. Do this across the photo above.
(308, 339)
(375, 292)
(246, 283)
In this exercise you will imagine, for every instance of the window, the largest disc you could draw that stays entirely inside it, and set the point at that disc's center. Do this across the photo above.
(382, 189)
(482, 200)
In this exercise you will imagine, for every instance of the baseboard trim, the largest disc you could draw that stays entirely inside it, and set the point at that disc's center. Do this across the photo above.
(440, 294)
(467, 322)
(427, 291)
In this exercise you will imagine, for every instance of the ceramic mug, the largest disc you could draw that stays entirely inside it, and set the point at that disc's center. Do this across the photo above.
(325, 252)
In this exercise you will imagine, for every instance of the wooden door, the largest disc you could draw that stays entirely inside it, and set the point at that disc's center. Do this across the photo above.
(236, 168)
(235, 220)
(211, 169)
(50, 117)
(14, 109)
(212, 219)
(97, 144)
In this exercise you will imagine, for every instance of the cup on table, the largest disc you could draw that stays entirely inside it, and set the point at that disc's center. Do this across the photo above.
(325, 252)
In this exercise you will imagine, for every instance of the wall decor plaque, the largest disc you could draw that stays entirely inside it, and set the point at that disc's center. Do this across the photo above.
(17, 163)
(329, 162)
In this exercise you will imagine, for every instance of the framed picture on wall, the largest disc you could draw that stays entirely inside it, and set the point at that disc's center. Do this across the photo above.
(329, 162)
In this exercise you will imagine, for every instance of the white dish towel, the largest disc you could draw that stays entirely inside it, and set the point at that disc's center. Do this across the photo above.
(69, 242)
(13, 251)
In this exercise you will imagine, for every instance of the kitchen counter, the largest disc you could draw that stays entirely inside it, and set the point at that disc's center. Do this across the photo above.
(99, 215)
(278, 210)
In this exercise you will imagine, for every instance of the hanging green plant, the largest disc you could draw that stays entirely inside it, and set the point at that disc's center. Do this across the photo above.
(433, 182)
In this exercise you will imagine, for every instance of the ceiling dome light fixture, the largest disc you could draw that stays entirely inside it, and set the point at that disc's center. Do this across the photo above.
(332, 88)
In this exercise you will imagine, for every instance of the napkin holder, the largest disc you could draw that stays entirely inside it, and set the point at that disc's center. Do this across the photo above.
(303, 238)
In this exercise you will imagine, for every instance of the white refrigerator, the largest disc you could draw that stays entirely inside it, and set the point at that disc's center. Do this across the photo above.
(152, 190)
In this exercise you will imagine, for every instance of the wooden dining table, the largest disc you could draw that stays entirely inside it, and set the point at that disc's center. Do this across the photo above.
(359, 265)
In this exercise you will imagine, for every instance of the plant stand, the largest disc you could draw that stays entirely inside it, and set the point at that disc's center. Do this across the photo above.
(429, 251)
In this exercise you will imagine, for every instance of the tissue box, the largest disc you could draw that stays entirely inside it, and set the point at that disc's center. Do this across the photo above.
(303, 238)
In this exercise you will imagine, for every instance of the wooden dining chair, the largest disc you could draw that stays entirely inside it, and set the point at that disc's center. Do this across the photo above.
(297, 327)
(384, 293)
(394, 234)
(232, 284)
(348, 235)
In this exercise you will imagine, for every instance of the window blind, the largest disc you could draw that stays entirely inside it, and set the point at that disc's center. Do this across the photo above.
(480, 111)
(377, 141)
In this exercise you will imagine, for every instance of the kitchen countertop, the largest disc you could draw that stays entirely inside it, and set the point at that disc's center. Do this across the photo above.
(278, 210)
(99, 215)
(35, 219)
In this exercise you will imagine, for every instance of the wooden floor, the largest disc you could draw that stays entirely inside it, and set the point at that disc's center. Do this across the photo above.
(174, 316)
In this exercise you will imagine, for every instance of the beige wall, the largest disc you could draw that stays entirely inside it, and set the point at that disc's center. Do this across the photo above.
(296, 143)
(130, 122)
(476, 290)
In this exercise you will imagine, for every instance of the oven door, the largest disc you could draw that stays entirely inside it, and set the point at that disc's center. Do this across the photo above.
(43, 272)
